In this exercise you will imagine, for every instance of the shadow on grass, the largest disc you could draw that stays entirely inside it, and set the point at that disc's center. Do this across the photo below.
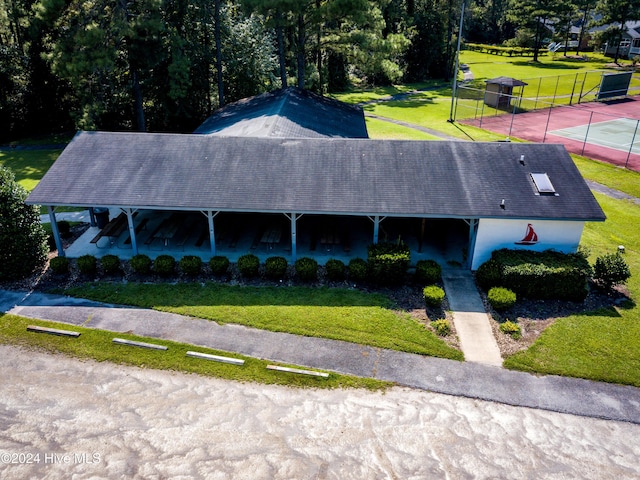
(213, 294)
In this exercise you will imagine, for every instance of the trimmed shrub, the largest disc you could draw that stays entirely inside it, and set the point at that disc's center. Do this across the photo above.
(64, 227)
(190, 265)
(249, 265)
(541, 275)
(306, 269)
(489, 274)
(164, 265)
(141, 264)
(388, 263)
(59, 265)
(275, 267)
(334, 269)
(428, 272)
(433, 296)
(501, 298)
(511, 328)
(219, 265)
(110, 264)
(22, 236)
(442, 327)
(358, 269)
(610, 270)
(87, 264)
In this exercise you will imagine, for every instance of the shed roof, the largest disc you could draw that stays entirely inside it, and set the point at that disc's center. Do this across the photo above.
(326, 176)
(290, 112)
(507, 81)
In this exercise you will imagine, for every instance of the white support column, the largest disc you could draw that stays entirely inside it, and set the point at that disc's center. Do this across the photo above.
(212, 233)
(376, 226)
(55, 231)
(294, 217)
(132, 230)
(473, 232)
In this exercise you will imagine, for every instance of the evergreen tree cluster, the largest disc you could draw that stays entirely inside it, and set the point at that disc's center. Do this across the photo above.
(165, 65)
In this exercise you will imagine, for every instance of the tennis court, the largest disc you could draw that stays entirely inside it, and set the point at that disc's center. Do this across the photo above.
(607, 131)
(621, 134)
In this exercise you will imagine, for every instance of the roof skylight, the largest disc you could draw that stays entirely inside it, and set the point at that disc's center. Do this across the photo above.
(543, 184)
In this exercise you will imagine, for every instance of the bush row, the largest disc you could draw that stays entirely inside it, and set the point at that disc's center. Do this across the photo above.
(499, 50)
(387, 265)
(538, 275)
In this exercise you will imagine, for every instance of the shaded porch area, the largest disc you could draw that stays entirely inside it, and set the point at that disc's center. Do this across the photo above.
(322, 237)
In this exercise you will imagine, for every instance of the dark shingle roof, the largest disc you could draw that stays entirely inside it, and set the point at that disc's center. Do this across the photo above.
(289, 113)
(333, 176)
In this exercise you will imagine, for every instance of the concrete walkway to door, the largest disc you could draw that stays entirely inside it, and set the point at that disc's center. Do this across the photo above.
(470, 318)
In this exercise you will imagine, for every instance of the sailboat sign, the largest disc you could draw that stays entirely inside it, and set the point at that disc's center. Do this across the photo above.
(530, 237)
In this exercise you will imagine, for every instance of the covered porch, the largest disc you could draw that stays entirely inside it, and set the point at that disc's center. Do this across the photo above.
(322, 237)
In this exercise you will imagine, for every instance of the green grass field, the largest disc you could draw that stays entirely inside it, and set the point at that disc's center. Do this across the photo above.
(338, 314)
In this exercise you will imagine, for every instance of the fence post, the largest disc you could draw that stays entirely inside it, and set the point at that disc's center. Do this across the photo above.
(513, 114)
(632, 142)
(586, 135)
(555, 92)
(546, 127)
(575, 80)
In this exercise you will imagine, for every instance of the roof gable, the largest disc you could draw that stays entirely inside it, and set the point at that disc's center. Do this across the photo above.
(290, 112)
(326, 176)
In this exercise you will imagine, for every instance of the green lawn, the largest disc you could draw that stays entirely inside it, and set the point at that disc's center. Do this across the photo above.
(29, 166)
(98, 345)
(338, 314)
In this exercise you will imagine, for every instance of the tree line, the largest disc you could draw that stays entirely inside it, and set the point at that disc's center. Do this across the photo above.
(165, 65)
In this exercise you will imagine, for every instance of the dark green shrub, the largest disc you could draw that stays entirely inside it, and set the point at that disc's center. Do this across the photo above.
(433, 296)
(87, 264)
(59, 265)
(23, 240)
(249, 265)
(610, 270)
(489, 274)
(306, 269)
(64, 228)
(358, 269)
(275, 267)
(442, 327)
(501, 298)
(334, 269)
(164, 265)
(531, 274)
(219, 265)
(428, 272)
(141, 264)
(511, 328)
(190, 265)
(110, 264)
(388, 263)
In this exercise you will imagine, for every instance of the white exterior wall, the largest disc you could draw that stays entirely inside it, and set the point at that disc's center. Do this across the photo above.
(494, 234)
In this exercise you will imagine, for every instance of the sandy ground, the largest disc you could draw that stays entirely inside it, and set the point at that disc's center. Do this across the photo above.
(82, 419)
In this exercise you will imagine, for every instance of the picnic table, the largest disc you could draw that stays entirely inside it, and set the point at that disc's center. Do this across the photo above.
(113, 229)
(271, 236)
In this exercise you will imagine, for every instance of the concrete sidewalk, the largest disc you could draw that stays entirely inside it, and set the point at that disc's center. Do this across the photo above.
(470, 318)
(468, 379)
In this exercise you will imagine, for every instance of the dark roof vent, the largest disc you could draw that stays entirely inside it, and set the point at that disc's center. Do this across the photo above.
(543, 184)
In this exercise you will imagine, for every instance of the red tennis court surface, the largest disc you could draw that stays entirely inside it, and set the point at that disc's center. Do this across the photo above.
(537, 126)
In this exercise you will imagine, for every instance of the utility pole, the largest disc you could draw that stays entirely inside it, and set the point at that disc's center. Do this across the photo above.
(455, 70)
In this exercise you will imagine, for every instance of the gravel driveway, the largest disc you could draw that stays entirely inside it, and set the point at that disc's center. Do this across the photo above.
(82, 419)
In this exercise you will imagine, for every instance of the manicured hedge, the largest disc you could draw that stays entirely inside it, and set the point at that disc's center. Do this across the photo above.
(249, 265)
(164, 265)
(499, 50)
(110, 264)
(388, 263)
(87, 264)
(357, 269)
(306, 269)
(428, 272)
(275, 268)
(141, 264)
(335, 269)
(541, 275)
(219, 265)
(191, 265)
